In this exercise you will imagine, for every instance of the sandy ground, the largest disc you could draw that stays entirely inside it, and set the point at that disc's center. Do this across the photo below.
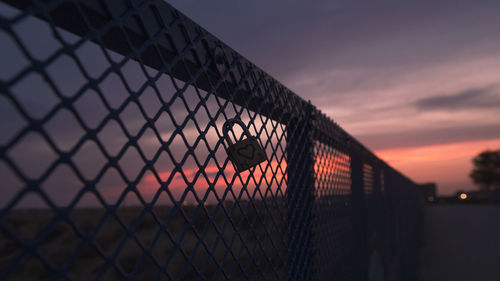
(461, 242)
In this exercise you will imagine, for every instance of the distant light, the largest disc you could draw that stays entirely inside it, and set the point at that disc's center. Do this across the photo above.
(430, 198)
(463, 196)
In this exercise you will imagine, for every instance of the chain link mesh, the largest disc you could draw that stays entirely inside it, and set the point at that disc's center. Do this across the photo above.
(114, 167)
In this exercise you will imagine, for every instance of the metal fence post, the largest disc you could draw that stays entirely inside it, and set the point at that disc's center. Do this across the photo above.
(378, 203)
(300, 198)
(358, 215)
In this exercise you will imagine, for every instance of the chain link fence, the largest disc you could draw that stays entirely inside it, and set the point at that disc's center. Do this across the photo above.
(114, 165)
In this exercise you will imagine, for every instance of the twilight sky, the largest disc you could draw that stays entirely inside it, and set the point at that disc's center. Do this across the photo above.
(416, 81)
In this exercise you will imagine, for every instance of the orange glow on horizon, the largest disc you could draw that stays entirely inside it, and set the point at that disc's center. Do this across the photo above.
(273, 177)
(448, 165)
(435, 152)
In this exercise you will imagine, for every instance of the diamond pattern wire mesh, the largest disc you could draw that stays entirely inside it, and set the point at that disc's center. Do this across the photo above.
(114, 167)
(367, 179)
(332, 211)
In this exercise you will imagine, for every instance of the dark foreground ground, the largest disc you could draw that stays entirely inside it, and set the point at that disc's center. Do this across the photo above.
(177, 243)
(461, 242)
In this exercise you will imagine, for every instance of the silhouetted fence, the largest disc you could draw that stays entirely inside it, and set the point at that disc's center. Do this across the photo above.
(114, 167)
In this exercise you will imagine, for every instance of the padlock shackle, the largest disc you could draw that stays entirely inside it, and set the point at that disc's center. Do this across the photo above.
(228, 125)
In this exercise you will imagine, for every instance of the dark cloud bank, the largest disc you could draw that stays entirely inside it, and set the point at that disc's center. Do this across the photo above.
(425, 137)
(488, 97)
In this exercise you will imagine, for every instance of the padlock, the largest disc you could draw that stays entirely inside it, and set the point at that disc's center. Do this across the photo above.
(246, 153)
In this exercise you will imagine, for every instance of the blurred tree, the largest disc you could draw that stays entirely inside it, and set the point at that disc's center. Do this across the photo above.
(486, 171)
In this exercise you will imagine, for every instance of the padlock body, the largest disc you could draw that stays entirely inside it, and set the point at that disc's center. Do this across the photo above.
(246, 153)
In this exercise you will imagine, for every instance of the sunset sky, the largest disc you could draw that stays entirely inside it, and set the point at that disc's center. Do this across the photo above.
(417, 82)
